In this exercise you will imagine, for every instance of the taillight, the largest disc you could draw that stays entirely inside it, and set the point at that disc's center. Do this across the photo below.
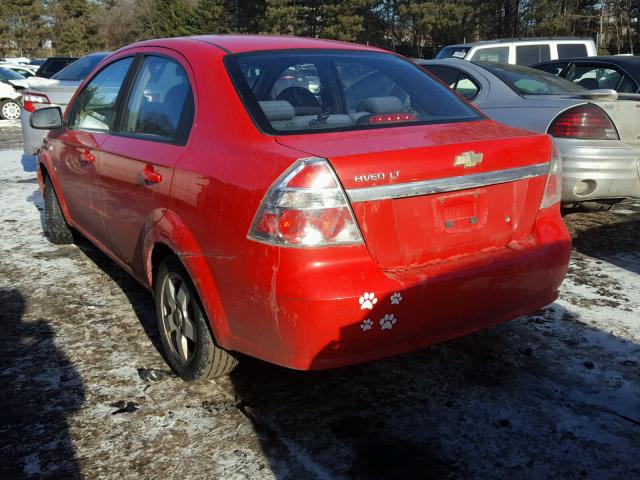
(553, 189)
(29, 100)
(584, 121)
(306, 207)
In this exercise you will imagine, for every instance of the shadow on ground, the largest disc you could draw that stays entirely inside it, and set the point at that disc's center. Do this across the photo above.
(40, 390)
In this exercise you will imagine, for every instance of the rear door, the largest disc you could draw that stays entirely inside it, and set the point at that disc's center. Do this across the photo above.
(90, 122)
(137, 163)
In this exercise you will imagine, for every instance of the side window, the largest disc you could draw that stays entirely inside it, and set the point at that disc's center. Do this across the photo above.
(467, 87)
(492, 54)
(457, 80)
(572, 50)
(95, 107)
(552, 68)
(593, 77)
(529, 54)
(627, 85)
(161, 101)
(446, 74)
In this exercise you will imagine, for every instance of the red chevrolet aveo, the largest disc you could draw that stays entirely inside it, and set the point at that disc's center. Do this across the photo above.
(310, 203)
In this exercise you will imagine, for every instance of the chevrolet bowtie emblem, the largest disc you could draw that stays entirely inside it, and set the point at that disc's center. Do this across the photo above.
(468, 159)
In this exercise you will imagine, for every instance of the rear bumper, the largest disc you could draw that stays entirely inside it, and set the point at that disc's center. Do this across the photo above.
(602, 169)
(307, 312)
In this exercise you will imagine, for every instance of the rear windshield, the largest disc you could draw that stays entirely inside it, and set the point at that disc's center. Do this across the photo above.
(78, 70)
(6, 74)
(529, 81)
(453, 52)
(313, 90)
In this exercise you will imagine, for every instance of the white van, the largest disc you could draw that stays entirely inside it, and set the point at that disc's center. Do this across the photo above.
(522, 51)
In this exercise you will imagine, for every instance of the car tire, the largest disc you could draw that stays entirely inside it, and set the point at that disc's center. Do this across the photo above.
(58, 230)
(9, 110)
(187, 341)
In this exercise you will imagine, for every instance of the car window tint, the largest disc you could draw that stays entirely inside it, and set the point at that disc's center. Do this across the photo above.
(297, 92)
(553, 68)
(530, 54)
(78, 70)
(572, 50)
(372, 83)
(6, 74)
(593, 77)
(627, 85)
(453, 52)
(492, 54)
(95, 107)
(160, 96)
(529, 81)
(456, 79)
(446, 74)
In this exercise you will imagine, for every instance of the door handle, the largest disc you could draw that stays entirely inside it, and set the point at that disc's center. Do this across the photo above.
(150, 175)
(87, 156)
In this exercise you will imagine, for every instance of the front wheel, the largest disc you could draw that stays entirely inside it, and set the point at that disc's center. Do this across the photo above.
(188, 344)
(10, 110)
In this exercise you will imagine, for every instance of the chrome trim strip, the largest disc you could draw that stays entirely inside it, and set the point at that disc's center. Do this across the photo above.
(449, 184)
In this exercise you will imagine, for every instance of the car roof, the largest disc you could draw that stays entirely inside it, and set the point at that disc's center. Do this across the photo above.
(252, 43)
(523, 39)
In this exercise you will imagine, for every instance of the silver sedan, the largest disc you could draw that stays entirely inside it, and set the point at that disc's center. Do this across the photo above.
(596, 131)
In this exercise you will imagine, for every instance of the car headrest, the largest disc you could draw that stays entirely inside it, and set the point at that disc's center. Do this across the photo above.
(388, 104)
(277, 110)
(589, 83)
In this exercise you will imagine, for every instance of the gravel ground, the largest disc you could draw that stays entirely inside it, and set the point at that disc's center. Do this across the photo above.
(85, 392)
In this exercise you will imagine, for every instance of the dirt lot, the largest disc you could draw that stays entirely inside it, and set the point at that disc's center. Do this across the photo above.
(85, 393)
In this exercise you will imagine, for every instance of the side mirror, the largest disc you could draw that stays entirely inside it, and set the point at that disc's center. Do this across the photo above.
(48, 118)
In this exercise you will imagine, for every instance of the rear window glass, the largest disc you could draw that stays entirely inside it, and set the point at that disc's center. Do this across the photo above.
(528, 81)
(571, 50)
(311, 91)
(79, 69)
(593, 77)
(453, 52)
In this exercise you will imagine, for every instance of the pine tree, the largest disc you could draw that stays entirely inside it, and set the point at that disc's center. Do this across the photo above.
(210, 16)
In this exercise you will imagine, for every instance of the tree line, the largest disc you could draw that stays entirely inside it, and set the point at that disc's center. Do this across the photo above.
(414, 28)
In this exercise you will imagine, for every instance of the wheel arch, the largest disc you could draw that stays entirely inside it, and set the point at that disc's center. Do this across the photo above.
(44, 170)
(170, 236)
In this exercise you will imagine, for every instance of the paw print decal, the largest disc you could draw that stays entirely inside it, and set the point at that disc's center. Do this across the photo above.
(388, 321)
(366, 325)
(368, 300)
(396, 298)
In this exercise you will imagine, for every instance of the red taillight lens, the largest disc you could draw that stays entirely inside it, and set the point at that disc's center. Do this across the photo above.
(307, 207)
(391, 118)
(584, 121)
(30, 100)
(553, 188)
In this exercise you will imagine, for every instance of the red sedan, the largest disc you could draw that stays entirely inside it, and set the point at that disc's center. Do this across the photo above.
(311, 203)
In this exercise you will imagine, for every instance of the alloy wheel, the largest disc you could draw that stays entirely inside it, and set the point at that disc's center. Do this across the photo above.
(179, 311)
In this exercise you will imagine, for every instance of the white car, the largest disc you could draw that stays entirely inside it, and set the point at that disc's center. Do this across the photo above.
(24, 70)
(11, 85)
(55, 91)
(521, 51)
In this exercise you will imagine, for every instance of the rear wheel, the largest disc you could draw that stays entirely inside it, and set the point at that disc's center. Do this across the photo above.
(184, 330)
(57, 229)
(9, 110)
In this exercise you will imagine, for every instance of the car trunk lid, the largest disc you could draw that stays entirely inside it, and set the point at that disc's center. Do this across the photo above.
(430, 193)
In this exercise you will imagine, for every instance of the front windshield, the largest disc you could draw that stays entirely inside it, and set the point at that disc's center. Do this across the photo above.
(78, 70)
(6, 74)
(453, 52)
(315, 90)
(529, 81)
